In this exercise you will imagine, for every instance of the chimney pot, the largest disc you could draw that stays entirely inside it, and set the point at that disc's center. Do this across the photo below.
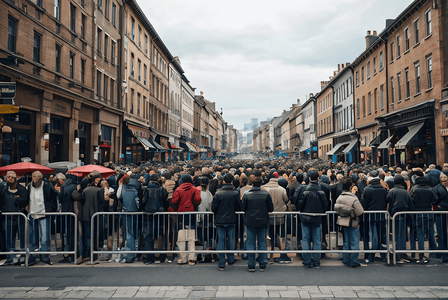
(339, 67)
(342, 66)
(375, 33)
(368, 32)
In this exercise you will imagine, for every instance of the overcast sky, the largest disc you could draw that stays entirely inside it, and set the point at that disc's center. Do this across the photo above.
(255, 58)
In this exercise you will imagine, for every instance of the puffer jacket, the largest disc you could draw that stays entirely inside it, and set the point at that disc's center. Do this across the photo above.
(422, 195)
(257, 204)
(433, 177)
(65, 195)
(349, 199)
(442, 197)
(279, 200)
(182, 198)
(374, 196)
(224, 205)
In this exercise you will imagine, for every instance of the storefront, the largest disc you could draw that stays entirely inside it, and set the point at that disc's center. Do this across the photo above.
(345, 150)
(411, 138)
(135, 144)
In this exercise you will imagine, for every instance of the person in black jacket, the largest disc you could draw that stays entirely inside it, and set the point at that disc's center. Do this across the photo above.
(373, 198)
(14, 199)
(43, 198)
(442, 205)
(256, 204)
(65, 198)
(423, 197)
(224, 205)
(313, 201)
(399, 200)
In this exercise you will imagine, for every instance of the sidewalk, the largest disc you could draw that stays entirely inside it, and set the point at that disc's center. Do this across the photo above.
(208, 292)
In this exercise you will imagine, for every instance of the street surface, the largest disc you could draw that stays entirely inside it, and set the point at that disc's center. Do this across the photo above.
(205, 281)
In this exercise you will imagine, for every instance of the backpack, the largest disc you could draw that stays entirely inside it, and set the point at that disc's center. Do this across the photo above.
(343, 210)
(153, 201)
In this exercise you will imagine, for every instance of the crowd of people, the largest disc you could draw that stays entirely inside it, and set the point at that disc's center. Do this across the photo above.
(207, 195)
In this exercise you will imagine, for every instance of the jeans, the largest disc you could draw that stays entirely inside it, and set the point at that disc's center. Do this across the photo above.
(377, 234)
(14, 225)
(311, 232)
(68, 227)
(351, 242)
(442, 234)
(425, 227)
(276, 232)
(131, 224)
(223, 232)
(40, 231)
(85, 239)
(400, 232)
(254, 234)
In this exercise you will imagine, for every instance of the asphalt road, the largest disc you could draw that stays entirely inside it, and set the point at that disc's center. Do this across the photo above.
(208, 275)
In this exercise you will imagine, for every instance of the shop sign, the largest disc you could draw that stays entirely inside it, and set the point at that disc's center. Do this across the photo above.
(7, 90)
(444, 132)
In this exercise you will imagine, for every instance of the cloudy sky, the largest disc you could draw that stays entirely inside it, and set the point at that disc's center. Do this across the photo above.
(255, 58)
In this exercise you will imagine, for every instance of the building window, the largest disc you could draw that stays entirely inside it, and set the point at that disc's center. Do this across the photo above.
(58, 58)
(417, 78)
(399, 86)
(381, 97)
(72, 17)
(83, 26)
(83, 70)
(112, 91)
(392, 89)
(112, 52)
(138, 104)
(83, 3)
(407, 86)
(139, 36)
(391, 51)
(36, 49)
(363, 106)
(416, 31)
(100, 4)
(362, 75)
(145, 69)
(98, 83)
(132, 102)
(374, 99)
(357, 78)
(369, 99)
(114, 8)
(428, 22)
(106, 81)
(106, 45)
(406, 38)
(133, 28)
(139, 69)
(429, 68)
(381, 60)
(57, 10)
(398, 46)
(106, 9)
(98, 41)
(132, 64)
(368, 70)
(12, 31)
(72, 64)
(146, 44)
(374, 65)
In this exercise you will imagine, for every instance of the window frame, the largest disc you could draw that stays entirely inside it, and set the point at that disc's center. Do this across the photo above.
(36, 50)
(12, 38)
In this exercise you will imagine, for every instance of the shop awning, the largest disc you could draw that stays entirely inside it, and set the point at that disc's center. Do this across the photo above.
(375, 142)
(407, 139)
(184, 146)
(155, 144)
(336, 148)
(350, 146)
(191, 148)
(145, 143)
(386, 143)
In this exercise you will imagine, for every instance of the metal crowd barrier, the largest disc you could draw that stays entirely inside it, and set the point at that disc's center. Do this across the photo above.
(58, 232)
(283, 225)
(415, 232)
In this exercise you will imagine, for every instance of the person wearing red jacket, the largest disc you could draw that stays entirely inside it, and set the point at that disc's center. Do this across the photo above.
(186, 198)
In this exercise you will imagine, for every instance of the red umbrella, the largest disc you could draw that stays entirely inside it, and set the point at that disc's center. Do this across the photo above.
(23, 168)
(83, 171)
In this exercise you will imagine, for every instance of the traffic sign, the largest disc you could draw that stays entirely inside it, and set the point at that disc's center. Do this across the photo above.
(9, 109)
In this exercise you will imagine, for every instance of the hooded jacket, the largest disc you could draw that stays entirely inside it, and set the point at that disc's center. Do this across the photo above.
(374, 196)
(399, 199)
(422, 195)
(279, 200)
(312, 201)
(442, 197)
(65, 195)
(349, 199)
(183, 198)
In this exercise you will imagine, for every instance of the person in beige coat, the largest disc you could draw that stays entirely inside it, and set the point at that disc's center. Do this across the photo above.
(349, 209)
(277, 222)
